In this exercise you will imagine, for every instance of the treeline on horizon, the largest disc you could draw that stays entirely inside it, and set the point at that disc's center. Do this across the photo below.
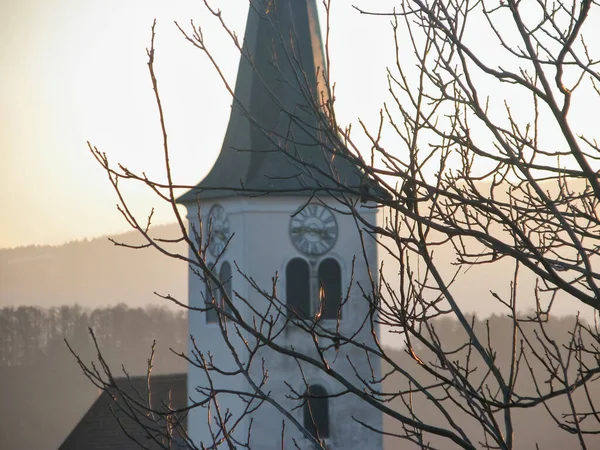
(31, 335)
(49, 394)
(41, 380)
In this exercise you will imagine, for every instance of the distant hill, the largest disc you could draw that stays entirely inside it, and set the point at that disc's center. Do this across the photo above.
(96, 273)
(92, 273)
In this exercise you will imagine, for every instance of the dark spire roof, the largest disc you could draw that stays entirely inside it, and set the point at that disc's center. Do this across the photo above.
(282, 65)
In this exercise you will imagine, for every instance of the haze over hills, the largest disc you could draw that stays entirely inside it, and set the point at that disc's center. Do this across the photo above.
(474, 286)
(96, 273)
(92, 273)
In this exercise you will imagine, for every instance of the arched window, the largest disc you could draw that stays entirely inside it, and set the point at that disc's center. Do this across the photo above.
(209, 293)
(316, 411)
(225, 279)
(297, 282)
(330, 287)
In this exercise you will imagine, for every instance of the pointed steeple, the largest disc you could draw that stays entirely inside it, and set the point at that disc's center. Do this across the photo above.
(282, 66)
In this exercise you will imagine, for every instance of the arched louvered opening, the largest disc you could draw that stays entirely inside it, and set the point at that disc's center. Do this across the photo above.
(297, 282)
(316, 411)
(225, 279)
(210, 292)
(330, 287)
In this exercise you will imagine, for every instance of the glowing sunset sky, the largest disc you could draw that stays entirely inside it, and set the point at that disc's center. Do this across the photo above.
(75, 70)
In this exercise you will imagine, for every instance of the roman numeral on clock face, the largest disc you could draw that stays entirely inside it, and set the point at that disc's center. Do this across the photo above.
(313, 230)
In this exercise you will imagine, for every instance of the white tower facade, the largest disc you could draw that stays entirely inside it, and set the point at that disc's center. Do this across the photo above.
(288, 254)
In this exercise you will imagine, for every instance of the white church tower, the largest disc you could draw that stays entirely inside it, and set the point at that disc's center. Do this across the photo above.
(294, 234)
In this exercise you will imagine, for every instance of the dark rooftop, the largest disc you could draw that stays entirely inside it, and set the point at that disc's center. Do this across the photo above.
(108, 422)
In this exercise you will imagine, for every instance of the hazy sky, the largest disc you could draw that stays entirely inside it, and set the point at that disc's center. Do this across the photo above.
(75, 70)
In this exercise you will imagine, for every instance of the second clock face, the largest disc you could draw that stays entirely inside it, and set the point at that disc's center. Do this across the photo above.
(313, 230)
(218, 224)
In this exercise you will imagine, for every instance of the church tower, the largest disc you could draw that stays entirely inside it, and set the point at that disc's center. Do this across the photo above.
(287, 253)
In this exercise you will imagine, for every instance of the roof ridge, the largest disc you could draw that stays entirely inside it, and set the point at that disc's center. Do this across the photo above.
(152, 376)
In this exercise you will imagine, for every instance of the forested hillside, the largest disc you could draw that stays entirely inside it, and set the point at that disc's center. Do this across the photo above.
(534, 427)
(44, 392)
(95, 284)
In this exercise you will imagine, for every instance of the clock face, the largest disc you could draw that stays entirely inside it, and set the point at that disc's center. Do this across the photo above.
(313, 230)
(218, 225)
